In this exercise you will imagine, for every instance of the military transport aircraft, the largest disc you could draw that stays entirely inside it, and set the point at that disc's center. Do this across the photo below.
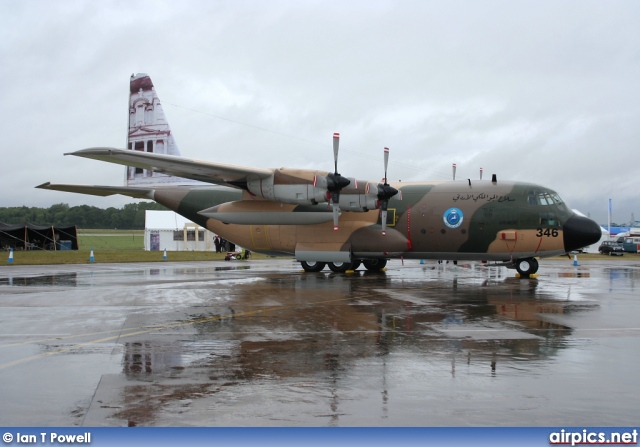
(324, 218)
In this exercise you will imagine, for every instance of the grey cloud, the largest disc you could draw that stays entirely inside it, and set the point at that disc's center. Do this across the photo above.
(542, 91)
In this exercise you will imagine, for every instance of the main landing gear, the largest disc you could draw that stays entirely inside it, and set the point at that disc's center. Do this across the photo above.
(373, 265)
(312, 266)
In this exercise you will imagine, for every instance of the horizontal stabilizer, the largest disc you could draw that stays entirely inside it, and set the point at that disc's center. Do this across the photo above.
(102, 191)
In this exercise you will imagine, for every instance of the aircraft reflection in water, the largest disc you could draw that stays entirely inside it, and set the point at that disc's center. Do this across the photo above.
(270, 343)
(324, 218)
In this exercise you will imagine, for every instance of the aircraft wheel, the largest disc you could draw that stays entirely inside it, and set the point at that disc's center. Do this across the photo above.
(374, 265)
(527, 266)
(339, 267)
(312, 266)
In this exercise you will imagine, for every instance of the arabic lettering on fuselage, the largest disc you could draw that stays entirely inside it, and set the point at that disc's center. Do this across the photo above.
(483, 197)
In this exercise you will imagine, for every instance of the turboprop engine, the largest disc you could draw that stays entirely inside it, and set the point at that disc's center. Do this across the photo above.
(298, 187)
(305, 187)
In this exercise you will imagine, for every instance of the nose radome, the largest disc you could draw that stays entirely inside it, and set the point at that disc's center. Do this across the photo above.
(579, 232)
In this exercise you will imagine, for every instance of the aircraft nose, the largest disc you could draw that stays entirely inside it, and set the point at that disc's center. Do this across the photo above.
(579, 232)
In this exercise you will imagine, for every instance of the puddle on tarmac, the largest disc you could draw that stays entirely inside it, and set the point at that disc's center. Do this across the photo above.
(297, 341)
(59, 280)
(430, 345)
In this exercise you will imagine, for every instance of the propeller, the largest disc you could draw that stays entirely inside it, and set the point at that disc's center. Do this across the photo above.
(385, 192)
(335, 182)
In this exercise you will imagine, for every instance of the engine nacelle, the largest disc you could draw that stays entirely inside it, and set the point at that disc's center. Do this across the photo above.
(359, 196)
(290, 186)
(304, 187)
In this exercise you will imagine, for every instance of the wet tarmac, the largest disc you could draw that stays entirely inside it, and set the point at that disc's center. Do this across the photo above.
(259, 343)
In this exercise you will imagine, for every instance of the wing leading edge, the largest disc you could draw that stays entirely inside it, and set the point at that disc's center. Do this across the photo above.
(204, 171)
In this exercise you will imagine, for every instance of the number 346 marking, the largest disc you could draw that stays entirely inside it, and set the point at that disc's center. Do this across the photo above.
(546, 232)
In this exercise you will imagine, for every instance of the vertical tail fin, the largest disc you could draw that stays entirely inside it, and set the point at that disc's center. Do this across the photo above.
(149, 131)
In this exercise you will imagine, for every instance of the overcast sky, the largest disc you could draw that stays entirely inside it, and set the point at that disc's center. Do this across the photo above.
(540, 91)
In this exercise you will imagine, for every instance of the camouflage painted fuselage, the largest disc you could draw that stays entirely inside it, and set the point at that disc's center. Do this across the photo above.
(481, 220)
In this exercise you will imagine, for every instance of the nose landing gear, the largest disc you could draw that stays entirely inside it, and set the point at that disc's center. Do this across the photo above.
(526, 266)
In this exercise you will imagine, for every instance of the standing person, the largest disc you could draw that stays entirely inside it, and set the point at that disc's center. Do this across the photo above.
(216, 242)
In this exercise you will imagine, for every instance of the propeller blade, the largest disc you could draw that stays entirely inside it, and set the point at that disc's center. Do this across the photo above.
(383, 217)
(335, 182)
(335, 202)
(385, 192)
(386, 163)
(336, 146)
(454, 171)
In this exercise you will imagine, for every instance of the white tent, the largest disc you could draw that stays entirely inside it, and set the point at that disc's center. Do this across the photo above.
(173, 232)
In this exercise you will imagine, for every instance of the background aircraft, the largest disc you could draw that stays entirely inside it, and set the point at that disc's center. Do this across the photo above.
(325, 218)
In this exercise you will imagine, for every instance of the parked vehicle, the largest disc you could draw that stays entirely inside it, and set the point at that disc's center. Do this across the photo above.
(611, 248)
(629, 244)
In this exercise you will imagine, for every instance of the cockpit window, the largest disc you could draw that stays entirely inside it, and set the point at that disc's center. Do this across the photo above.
(552, 216)
(543, 198)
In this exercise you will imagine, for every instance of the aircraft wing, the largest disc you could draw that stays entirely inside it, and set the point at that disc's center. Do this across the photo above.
(102, 191)
(204, 171)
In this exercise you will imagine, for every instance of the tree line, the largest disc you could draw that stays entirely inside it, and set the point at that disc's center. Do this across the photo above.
(129, 217)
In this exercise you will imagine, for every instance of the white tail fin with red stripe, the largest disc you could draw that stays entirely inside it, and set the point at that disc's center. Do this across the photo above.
(149, 131)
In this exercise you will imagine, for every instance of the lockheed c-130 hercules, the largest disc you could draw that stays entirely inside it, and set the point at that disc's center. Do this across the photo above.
(324, 218)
